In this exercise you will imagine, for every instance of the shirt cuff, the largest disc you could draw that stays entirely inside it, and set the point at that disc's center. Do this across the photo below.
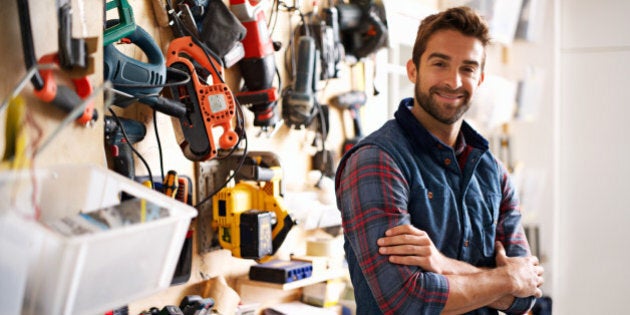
(521, 305)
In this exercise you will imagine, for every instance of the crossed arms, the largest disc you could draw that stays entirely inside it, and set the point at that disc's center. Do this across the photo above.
(405, 271)
(469, 287)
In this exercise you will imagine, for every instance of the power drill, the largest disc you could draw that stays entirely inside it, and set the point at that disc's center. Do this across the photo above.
(352, 101)
(258, 67)
(119, 147)
(250, 217)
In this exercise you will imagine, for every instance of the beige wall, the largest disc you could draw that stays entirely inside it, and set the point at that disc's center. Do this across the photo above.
(593, 52)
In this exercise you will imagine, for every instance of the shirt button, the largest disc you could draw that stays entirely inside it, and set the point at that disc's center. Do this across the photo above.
(430, 195)
(466, 243)
(447, 161)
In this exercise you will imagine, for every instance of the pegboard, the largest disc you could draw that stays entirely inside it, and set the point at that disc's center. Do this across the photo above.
(210, 175)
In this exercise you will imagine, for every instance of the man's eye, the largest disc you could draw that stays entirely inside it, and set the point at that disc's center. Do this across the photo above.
(470, 71)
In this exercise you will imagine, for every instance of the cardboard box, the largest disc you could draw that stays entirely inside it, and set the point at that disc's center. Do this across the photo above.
(323, 294)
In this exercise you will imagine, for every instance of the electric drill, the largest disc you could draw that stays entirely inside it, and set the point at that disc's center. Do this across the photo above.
(258, 67)
(352, 101)
(119, 148)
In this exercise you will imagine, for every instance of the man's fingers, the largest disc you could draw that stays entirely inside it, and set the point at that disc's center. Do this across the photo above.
(419, 240)
(405, 250)
(501, 256)
(498, 246)
(535, 261)
(404, 229)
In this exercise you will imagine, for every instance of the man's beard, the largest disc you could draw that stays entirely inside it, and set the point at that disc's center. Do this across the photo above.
(431, 106)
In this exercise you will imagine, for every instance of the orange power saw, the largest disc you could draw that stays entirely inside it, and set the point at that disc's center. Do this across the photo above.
(209, 102)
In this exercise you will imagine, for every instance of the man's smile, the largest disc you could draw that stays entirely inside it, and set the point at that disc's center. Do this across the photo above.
(449, 96)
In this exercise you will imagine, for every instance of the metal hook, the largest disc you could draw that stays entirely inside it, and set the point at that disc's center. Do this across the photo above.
(76, 112)
(27, 77)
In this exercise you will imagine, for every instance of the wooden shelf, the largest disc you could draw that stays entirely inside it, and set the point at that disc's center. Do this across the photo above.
(315, 278)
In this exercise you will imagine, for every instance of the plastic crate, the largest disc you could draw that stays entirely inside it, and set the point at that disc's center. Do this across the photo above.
(89, 273)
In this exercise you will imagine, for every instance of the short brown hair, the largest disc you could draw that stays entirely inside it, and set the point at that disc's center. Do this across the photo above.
(462, 19)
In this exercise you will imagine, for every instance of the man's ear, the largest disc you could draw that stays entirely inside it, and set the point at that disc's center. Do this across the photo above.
(411, 71)
(483, 76)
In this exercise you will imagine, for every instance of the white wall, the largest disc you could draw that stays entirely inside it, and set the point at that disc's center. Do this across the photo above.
(594, 63)
(533, 140)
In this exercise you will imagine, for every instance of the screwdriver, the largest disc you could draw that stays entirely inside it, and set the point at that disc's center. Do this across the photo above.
(171, 184)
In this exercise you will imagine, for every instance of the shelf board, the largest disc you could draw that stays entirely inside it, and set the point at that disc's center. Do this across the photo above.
(313, 279)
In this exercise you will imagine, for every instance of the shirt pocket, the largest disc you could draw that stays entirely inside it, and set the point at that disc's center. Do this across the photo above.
(433, 210)
(483, 213)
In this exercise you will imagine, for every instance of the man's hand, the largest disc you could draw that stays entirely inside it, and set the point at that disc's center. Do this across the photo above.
(525, 273)
(408, 245)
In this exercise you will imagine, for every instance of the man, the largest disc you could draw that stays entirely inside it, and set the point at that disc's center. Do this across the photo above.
(431, 220)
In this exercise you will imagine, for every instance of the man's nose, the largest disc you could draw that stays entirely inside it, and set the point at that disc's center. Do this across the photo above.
(453, 79)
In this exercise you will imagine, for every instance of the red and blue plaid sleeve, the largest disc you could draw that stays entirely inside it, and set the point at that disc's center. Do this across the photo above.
(510, 233)
(372, 195)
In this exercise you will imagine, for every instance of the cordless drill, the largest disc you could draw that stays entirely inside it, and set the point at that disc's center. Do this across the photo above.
(119, 147)
(352, 101)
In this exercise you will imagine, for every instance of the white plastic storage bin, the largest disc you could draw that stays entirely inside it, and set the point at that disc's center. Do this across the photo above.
(90, 273)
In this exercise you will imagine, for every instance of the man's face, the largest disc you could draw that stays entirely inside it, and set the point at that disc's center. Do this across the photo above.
(448, 75)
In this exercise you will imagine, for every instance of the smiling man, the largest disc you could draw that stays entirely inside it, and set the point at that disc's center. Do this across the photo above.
(431, 220)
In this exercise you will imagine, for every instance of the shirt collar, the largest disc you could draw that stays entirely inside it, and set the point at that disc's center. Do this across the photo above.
(460, 144)
(411, 125)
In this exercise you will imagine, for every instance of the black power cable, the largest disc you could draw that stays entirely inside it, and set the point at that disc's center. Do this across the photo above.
(159, 143)
(122, 128)
(242, 137)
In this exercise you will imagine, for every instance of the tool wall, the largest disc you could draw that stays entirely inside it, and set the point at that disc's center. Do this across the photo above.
(139, 95)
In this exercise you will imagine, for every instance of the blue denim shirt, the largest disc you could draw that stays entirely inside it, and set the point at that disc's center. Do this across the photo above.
(402, 174)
